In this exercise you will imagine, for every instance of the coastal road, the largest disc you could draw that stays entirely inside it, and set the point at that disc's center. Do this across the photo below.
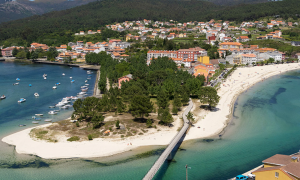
(159, 162)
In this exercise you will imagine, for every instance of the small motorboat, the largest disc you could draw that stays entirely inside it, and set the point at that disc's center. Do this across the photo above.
(33, 117)
(51, 106)
(63, 74)
(18, 79)
(86, 84)
(52, 112)
(70, 77)
(88, 78)
(36, 94)
(48, 120)
(54, 87)
(16, 83)
(75, 98)
(30, 85)
(88, 72)
(64, 107)
(37, 119)
(39, 114)
(83, 87)
(35, 122)
(56, 84)
(72, 81)
(2, 97)
(84, 90)
(21, 125)
(45, 75)
(45, 78)
(21, 100)
(86, 81)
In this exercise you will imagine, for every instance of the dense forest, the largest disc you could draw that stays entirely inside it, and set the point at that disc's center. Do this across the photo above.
(63, 24)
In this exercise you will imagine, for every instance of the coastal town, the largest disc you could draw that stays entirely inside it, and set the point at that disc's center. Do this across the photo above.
(164, 84)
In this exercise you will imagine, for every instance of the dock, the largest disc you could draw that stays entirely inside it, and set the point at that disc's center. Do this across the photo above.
(176, 140)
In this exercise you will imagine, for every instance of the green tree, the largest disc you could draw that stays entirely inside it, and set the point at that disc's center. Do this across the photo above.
(15, 52)
(163, 99)
(174, 109)
(149, 123)
(0, 53)
(28, 55)
(69, 48)
(21, 55)
(140, 106)
(118, 124)
(190, 117)
(164, 116)
(34, 55)
(208, 95)
(271, 60)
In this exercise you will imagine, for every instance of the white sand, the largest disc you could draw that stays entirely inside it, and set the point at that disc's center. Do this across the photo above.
(211, 124)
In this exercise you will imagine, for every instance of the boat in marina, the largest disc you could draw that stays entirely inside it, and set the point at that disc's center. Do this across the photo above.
(54, 87)
(52, 112)
(88, 72)
(88, 78)
(22, 100)
(64, 107)
(86, 84)
(56, 84)
(16, 83)
(63, 74)
(56, 110)
(45, 78)
(35, 122)
(45, 75)
(36, 94)
(70, 77)
(30, 85)
(21, 125)
(72, 81)
(2, 97)
(39, 114)
(51, 106)
(48, 120)
(18, 79)
(86, 81)
(84, 90)
(83, 87)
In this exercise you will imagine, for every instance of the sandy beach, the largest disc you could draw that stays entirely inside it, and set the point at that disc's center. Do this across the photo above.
(211, 123)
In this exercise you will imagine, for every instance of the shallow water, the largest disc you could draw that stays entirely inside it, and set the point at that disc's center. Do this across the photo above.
(266, 122)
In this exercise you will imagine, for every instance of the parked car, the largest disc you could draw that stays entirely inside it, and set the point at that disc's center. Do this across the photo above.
(241, 177)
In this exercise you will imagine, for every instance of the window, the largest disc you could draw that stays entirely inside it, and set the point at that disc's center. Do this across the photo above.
(277, 174)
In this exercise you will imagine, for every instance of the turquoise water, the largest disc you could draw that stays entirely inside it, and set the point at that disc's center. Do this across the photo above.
(266, 121)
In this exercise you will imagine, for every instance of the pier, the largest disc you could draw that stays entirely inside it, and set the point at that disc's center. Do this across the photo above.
(167, 154)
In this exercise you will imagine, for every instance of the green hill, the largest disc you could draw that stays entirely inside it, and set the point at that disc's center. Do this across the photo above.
(62, 24)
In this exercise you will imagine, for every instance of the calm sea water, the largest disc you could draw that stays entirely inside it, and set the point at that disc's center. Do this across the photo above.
(266, 121)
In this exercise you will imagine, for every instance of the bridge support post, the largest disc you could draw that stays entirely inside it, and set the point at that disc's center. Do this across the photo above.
(170, 157)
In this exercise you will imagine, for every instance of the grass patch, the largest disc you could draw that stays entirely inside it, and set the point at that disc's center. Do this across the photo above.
(74, 138)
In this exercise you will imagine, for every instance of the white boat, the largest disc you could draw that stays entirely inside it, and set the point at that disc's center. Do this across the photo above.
(35, 122)
(75, 98)
(33, 117)
(86, 81)
(2, 97)
(21, 100)
(39, 114)
(63, 74)
(83, 87)
(36, 94)
(16, 83)
(70, 77)
(54, 87)
(84, 90)
(51, 106)
(82, 93)
(88, 72)
(45, 77)
(59, 104)
(88, 78)
(64, 107)
(86, 84)
(56, 110)
(48, 120)
(52, 112)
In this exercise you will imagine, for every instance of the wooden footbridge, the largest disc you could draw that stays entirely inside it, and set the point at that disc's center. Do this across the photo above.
(167, 152)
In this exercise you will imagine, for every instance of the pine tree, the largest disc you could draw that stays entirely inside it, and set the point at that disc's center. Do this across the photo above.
(162, 99)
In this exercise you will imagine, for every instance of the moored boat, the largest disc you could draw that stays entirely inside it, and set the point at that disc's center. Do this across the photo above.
(63, 74)
(54, 87)
(36, 94)
(16, 83)
(35, 122)
(21, 125)
(39, 114)
(21, 100)
(2, 97)
(48, 120)
(72, 81)
(52, 112)
(18, 79)
(51, 106)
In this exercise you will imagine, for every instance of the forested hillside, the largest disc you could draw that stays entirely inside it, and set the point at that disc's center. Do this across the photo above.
(95, 15)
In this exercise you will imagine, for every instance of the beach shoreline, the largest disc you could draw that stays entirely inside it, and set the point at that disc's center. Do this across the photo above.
(211, 125)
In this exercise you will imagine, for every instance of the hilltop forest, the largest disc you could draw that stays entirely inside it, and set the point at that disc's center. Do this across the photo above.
(59, 26)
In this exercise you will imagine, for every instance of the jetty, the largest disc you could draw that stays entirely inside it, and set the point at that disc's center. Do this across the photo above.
(83, 66)
(167, 154)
